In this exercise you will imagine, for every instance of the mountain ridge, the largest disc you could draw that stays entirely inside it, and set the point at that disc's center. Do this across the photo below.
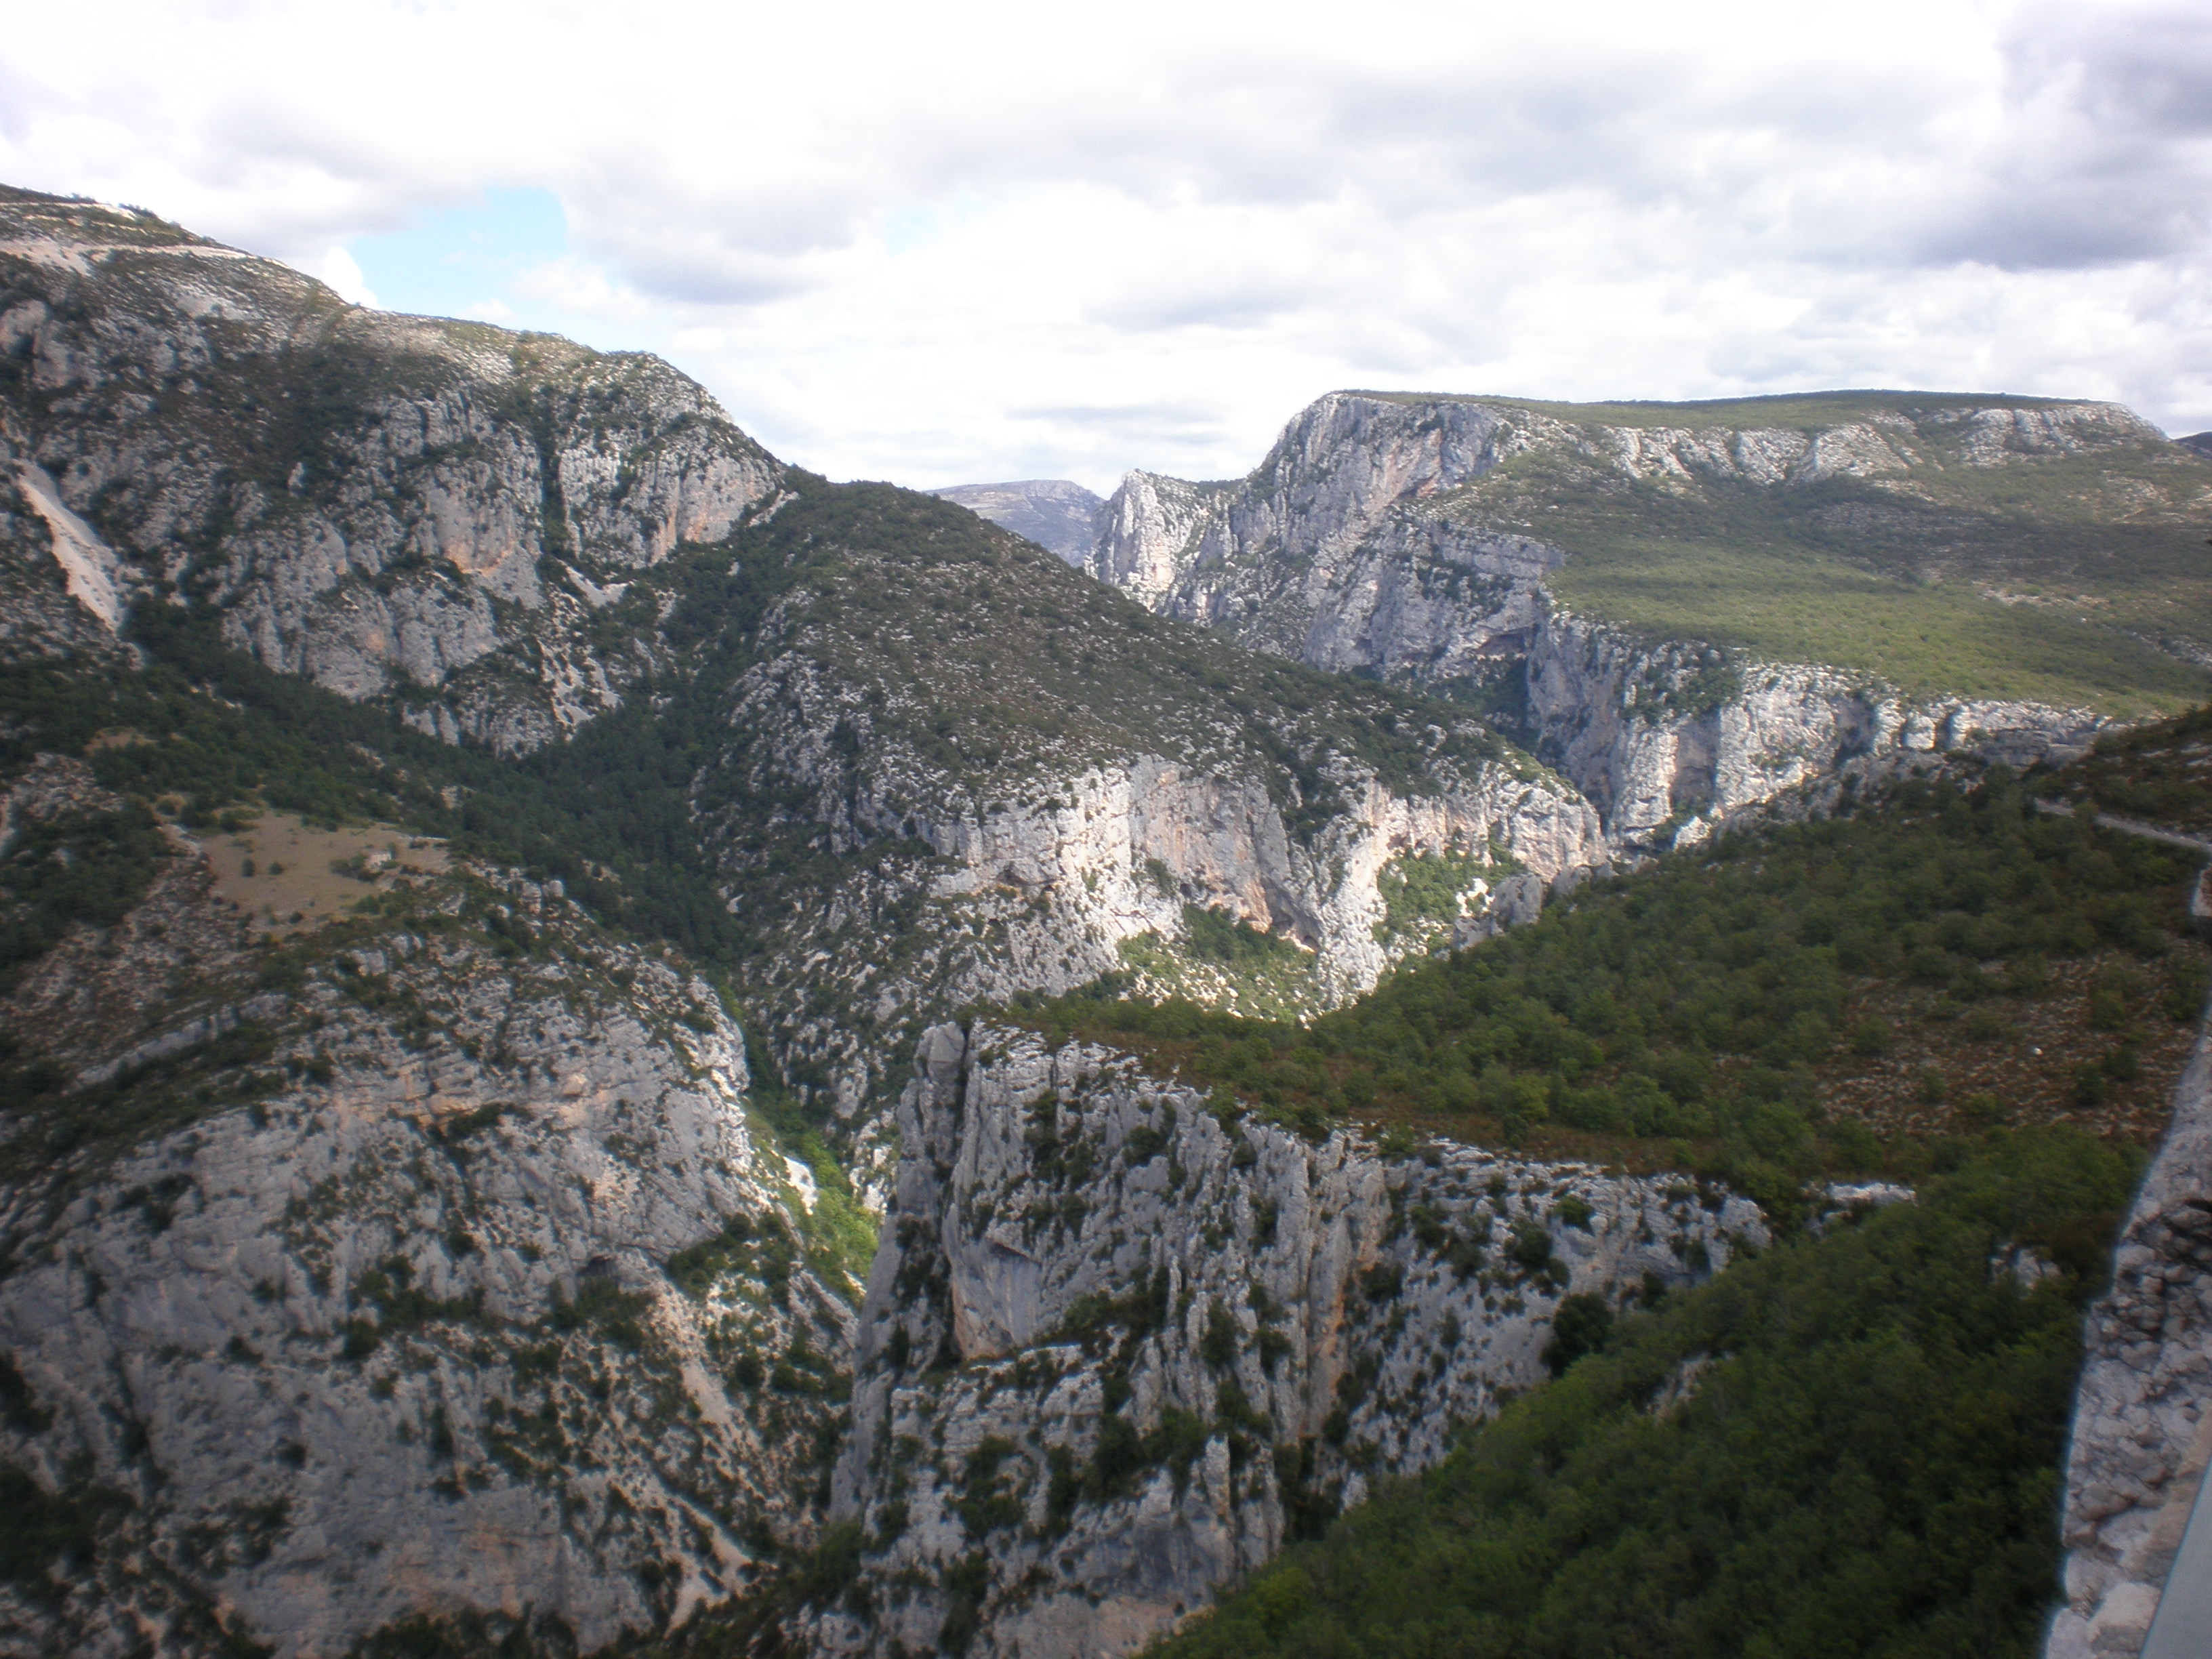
(514, 901)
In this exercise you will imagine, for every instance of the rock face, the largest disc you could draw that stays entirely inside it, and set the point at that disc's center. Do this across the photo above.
(439, 515)
(1116, 1349)
(1054, 513)
(918, 813)
(1365, 541)
(2142, 1418)
(1323, 553)
(429, 1275)
(1667, 741)
(495, 535)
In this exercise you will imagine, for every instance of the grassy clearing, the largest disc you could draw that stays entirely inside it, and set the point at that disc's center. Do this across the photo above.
(1802, 605)
(289, 875)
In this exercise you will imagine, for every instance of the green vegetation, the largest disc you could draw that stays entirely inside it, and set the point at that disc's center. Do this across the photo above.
(42, 1532)
(1708, 1006)
(81, 868)
(1866, 1463)
(1226, 963)
(996, 665)
(2071, 579)
(1421, 891)
(1803, 411)
(2160, 774)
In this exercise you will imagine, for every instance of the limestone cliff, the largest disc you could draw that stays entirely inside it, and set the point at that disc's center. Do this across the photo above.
(2142, 1418)
(1121, 1343)
(895, 718)
(1557, 565)
(946, 768)
(1668, 740)
(439, 515)
(432, 1265)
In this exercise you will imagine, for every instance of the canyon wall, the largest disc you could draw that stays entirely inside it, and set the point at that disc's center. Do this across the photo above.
(431, 1273)
(1121, 1343)
(1363, 543)
(2143, 1418)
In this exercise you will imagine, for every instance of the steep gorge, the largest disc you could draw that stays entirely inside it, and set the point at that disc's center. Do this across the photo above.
(1653, 595)
(446, 1264)
(1122, 1340)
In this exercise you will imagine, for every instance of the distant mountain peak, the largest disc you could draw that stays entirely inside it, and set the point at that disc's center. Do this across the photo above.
(1056, 513)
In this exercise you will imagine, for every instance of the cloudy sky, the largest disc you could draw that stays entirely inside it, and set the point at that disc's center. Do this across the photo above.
(958, 242)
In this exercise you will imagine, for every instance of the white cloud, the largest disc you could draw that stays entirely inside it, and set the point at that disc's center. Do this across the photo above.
(990, 240)
(338, 268)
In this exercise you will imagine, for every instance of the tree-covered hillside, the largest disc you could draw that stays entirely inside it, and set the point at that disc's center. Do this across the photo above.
(1846, 1447)
(1788, 999)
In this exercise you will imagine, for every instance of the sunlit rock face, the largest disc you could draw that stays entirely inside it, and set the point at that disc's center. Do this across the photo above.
(1117, 1348)
(1352, 547)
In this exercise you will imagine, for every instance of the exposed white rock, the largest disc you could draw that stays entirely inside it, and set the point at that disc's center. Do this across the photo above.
(1666, 740)
(89, 564)
(1342, 549)
(378, 501)
(399, 1338)
(1317, 1315)
(2143, 1415)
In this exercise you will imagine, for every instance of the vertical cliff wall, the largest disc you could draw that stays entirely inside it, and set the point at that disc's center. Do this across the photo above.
(1427, 540)
(1118, 1345)
(2142, 1420)
(433, 1269)
(1668, 740)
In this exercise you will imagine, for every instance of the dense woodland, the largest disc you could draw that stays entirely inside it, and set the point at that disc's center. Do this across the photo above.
(1849, 1445)
(1705, 1007)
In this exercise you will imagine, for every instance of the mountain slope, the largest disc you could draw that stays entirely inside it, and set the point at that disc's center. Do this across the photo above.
(830, 707)
(1677, 602)
(1054, 513)
(939, 765)
(438, 767)
(439, 515)
(433, 1257)
(1729, 1480)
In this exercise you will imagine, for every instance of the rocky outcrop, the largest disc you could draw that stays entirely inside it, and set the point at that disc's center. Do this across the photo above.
(1054, 513)
(1117, 861)
(1322, 555)
(439, 515)
(437, 1272)
(2142, 1418)
(1360, 544)
(1148, 533)
(1121, 1341)
(1669, 740)
(946, 768)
